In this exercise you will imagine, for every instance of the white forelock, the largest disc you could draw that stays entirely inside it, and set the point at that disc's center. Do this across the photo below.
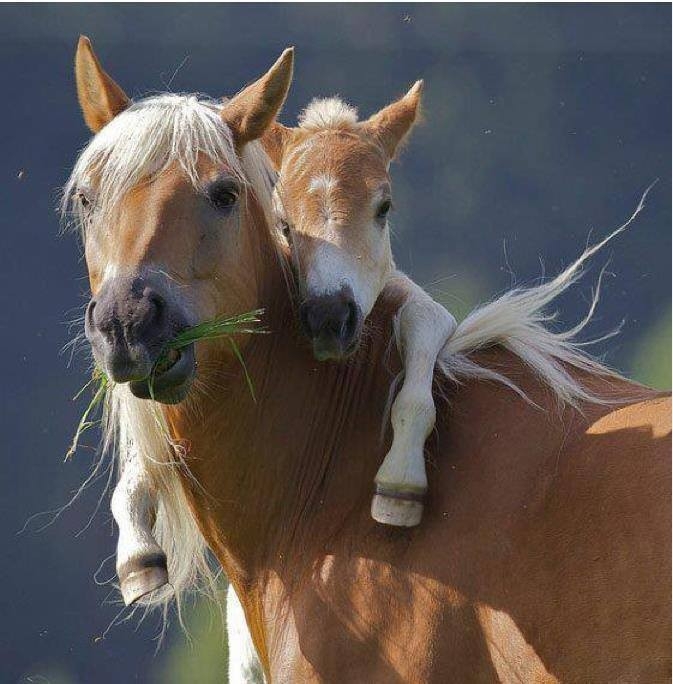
(328, 112)
(153, 134)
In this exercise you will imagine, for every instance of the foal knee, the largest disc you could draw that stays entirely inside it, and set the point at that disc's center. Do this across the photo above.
(414, 411)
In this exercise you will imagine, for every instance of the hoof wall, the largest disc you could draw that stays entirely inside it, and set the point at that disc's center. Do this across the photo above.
(141, 578)
(396, 511)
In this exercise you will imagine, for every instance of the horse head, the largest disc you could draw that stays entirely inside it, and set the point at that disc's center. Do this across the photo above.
(164, 194)
(332, 200)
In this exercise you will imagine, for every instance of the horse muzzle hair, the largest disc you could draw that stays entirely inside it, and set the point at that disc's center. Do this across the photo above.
(333, 323)
(128, 324)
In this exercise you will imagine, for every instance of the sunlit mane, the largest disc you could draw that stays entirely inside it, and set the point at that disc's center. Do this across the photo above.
(152, 135)
(330, 112)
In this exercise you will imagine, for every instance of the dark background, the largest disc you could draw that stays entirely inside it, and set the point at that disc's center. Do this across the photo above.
(542, 123)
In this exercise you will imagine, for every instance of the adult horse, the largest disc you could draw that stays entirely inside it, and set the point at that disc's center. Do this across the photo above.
(544, 554)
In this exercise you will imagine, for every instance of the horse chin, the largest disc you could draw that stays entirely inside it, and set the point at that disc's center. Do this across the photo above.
(170, 386)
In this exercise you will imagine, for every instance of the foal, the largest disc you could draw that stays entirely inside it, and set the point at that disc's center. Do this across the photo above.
(332, 199)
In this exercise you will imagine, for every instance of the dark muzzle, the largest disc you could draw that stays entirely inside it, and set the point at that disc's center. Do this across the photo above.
(333, 323)
(128, 325)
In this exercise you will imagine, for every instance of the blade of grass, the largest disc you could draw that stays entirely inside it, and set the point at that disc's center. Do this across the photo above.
(84, 422)
(222, 326)
(248, 379)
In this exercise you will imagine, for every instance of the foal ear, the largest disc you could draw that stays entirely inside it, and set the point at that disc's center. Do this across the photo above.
(250, 113)
(275, 141)
(100, 98)
(392, 124)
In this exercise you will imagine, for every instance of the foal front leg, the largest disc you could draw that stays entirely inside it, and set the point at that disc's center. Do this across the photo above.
(141, 563)
(401, 482)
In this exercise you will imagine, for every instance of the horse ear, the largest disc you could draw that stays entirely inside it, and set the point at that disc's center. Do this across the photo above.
(392, 124)
(275, 141)
(100, 98)
(250, 113)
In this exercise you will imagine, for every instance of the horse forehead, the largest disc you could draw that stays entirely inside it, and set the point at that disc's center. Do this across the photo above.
(330, 159)
(173, 190)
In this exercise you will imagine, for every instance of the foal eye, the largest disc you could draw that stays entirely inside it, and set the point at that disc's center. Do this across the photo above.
(383, 209)
(285, 228)
(223, 195)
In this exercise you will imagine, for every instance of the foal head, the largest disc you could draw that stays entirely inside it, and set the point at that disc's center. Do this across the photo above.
(332, 201)
(165, 194)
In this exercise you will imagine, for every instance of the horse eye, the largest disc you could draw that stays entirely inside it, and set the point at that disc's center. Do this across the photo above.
(83, 199)
(383, 209)
(223, 195)
(285, 228)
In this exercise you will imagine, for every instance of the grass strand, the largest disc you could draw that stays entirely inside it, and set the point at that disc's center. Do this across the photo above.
(216, 328)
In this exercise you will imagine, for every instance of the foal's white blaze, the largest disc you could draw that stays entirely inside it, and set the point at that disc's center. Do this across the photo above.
(333, 268)
(323, 182)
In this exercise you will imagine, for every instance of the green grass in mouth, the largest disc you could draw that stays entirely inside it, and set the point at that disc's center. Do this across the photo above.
(216, 328)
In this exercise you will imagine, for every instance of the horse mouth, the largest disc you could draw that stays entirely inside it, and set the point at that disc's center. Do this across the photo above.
(170, 379)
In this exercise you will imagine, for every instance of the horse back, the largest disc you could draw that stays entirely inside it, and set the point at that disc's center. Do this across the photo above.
(544, 553)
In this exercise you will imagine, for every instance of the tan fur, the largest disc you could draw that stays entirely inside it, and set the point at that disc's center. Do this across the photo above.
(250, 113)
(100, 98)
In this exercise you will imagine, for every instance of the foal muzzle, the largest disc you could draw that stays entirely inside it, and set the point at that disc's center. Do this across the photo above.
(333, 323)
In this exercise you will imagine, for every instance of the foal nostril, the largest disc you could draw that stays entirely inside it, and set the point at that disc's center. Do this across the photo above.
(333, 315)
(350, 324)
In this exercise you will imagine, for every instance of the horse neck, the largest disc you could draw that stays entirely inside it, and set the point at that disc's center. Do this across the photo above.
(280, 472)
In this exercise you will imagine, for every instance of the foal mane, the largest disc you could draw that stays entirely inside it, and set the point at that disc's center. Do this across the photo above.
(328, 112)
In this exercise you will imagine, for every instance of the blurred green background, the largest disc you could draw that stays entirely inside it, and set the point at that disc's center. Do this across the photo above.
(543, 125)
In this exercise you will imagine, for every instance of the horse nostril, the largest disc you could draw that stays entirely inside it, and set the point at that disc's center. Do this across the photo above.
(90, 321)
(157, 304)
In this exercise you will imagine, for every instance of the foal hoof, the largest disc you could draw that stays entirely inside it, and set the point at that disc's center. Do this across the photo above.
(398, 508)
(141, 576)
